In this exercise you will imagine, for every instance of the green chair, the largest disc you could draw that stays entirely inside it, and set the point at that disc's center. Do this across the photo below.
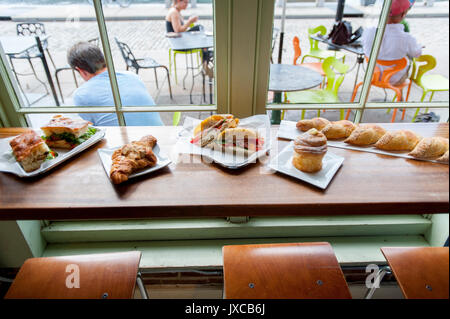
(428, 82)
(327, 95)
(175, 52)
(176, 118)
(317, 53)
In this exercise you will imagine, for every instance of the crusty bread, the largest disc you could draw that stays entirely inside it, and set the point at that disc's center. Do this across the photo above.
(29, 150)
(318, 123)
(339, 129)
(430, 147)
(443, 158)
(403, 140)
(59, 124)
(366, 134)
(213, 119)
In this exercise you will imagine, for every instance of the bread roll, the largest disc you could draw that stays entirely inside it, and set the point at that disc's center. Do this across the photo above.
(318, 123)
(430, 147)
(366, 134)
(403, 140)
(338, 130)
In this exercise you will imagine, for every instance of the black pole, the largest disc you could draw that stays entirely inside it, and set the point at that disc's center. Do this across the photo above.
(46, 69)
(280, 52)
(340, 10)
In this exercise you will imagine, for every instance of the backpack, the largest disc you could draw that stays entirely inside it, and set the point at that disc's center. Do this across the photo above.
(342, 33)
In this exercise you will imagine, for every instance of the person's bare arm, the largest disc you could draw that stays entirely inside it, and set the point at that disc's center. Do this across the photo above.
(175, 18)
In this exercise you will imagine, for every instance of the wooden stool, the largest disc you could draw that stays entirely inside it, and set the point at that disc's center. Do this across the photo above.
(421, 272)
(283, 271)
(77, 277)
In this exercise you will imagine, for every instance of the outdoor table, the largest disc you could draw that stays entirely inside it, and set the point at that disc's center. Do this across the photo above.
(15, 45)
(355, 48)
(288, 78)
(366, 184)
(189, 41)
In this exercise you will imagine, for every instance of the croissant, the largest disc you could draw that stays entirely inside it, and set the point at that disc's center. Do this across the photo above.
(366, 135)
(430, 147)
(132, 157)
(403, 140)
(339, 129)
(443, 158)
(318, 123)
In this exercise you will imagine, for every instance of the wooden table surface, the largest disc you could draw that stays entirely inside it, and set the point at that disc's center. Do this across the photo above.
(367, 183)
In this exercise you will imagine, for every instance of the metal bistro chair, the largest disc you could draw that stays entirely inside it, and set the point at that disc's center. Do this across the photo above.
(283, 271)
(30, 29)
(95, 41)
(97, 276)
(144, 63)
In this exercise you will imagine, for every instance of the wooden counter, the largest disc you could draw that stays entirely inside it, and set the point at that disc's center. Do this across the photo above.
(367, 183)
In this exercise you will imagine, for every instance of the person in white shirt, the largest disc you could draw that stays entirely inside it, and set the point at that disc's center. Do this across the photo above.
(396, 43)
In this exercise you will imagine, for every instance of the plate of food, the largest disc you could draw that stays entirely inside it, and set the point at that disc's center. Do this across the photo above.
(372, 138)
(35, 152)
(308, 159)
(133, 159)
(225, 139)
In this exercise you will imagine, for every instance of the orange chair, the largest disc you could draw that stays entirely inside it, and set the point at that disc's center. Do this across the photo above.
(382, 81)
(316, 66)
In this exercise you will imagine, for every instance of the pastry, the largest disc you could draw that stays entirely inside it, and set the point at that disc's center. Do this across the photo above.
(309, 150)
(131, 158)
(30, 150)
(208, 130)
(403, 140)
(443, 158)
(339, 129)
(318, 123)
(366, 134)
(430, 147)
(64, 132)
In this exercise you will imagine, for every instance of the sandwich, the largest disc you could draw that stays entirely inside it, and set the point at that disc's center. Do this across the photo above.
(63, 132)
(30, 150)
(239, 141)
(208, 130)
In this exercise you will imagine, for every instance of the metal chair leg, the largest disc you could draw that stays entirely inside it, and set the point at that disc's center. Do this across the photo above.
(141, 286)
(156, 78)
(168, 81)
(59, 85)
(18, 82)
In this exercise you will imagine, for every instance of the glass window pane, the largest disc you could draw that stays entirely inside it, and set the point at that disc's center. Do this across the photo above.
(416, 35)
(307, 44)
(174, 68)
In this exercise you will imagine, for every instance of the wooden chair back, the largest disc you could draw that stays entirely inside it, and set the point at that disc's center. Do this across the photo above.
(283, 271)
(101, 276)
(421, 272)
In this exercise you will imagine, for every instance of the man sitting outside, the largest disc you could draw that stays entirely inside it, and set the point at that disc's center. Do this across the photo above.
(396, 43)
(89, 61)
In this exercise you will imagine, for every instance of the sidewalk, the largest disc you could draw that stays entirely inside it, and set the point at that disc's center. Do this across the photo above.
(85, 12)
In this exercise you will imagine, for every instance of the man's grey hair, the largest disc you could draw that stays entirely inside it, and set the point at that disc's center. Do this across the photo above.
(87, 57)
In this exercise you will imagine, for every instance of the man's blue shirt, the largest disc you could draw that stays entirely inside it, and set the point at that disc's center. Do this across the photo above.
(97, 92)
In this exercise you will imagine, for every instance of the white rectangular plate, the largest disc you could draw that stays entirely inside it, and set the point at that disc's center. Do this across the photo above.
(288, 130)
(9, 164)
(331, 163)
(106, 153)
(260, 123)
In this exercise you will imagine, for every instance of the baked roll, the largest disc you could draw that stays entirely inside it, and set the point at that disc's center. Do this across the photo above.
(309, 150)
(318, 123)
(339, 129)
(30, 150)
(366, 134)
(403, 140)
(430, 147)
(131, 158)
(443, 158)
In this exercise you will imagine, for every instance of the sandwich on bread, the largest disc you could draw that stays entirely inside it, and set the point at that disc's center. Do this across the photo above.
(210, 128)
(30, 150)
(241, 141)
(63, 132)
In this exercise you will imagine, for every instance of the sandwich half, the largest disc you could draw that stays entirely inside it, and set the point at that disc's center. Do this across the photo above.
(63, 132)
(30, 150)
(208, 130)
(239, 141)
